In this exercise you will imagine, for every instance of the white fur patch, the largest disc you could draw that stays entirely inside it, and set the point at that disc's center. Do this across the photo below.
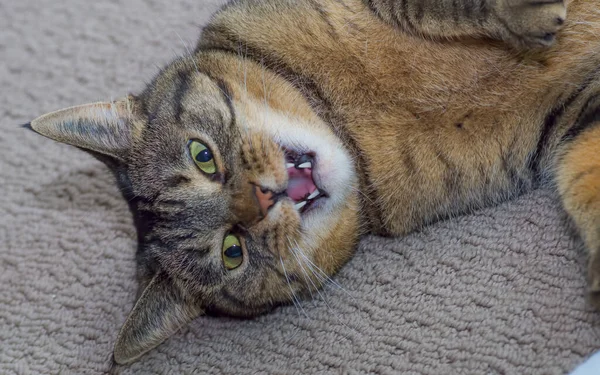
(333, 169)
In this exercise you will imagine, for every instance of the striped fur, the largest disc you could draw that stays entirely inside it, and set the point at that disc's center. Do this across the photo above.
(422, 110)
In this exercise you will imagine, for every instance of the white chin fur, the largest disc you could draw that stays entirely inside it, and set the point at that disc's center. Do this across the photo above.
(333, 170)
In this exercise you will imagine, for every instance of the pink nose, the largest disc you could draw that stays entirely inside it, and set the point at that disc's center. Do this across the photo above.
(265, 199)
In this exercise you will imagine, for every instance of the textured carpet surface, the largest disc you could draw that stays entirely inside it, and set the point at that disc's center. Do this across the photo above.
(497, 292)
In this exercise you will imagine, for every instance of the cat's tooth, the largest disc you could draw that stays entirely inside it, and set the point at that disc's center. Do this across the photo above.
(299, 205)
(289, 165)
(303, 161)
(314, 194)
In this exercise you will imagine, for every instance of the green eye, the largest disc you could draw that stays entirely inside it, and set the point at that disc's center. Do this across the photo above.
(232, 252)
(203, 157)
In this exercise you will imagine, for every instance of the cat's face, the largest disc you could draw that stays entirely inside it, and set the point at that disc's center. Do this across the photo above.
(244, 198)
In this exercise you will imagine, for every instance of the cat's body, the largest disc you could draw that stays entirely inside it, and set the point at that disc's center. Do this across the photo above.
(435, 128)
(298, 125)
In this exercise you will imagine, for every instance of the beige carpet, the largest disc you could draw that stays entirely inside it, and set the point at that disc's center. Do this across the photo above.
(497, 292)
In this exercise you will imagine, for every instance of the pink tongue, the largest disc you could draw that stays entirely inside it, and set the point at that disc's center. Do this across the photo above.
(300, 183)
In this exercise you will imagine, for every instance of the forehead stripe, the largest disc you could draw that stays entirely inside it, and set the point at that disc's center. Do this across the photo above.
(183, 86)
(227, 97)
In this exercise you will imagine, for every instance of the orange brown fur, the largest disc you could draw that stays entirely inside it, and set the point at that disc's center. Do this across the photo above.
(578, 182)
(470, 104)
(442, 127)
(436, 121)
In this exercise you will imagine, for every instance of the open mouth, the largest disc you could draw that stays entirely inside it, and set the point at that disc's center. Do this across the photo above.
(302, 188)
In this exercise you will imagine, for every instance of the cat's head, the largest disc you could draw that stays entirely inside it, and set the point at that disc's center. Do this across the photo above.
(242, 196)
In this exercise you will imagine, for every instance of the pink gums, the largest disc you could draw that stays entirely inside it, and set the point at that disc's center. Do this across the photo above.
(300, 183)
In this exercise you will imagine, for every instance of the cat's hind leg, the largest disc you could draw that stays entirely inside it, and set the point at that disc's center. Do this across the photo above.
(578, 182)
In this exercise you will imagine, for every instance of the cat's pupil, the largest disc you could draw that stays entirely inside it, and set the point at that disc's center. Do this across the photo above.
(234, 251)
(204, 156)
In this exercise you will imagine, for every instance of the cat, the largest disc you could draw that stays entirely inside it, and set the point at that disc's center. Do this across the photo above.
(296, 126)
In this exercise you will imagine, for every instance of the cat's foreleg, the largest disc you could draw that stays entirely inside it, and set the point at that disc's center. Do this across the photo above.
(578, 181)
(523, 23)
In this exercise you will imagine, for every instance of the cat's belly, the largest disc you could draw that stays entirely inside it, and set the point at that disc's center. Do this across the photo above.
(444, 165)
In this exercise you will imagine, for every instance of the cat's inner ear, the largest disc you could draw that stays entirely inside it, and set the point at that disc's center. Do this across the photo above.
(107, 128)
(160, 311)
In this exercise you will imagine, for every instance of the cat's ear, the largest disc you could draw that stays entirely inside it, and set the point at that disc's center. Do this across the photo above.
(160, 311)
(106, 128)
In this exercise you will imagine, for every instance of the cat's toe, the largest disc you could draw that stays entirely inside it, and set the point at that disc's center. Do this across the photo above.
(531, 23)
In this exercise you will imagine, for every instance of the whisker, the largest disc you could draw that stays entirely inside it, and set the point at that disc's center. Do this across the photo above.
(305, 274)
(325, 276)
(331, 311)
(297, 251)
(265, 100)
(245, 72)
(294, 297)
(188, 51)
(363, 194)
(293, 251)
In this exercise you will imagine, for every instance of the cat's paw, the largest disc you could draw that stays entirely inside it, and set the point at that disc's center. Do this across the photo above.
(531, 23)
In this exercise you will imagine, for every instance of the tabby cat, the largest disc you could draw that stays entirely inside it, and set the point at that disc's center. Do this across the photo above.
(296, 126)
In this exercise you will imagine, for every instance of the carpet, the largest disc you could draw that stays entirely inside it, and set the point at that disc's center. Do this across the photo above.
(501, 291)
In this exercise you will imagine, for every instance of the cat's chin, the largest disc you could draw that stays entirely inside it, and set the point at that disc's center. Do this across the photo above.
(315, 186)
(312, 174)
(321, 173)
